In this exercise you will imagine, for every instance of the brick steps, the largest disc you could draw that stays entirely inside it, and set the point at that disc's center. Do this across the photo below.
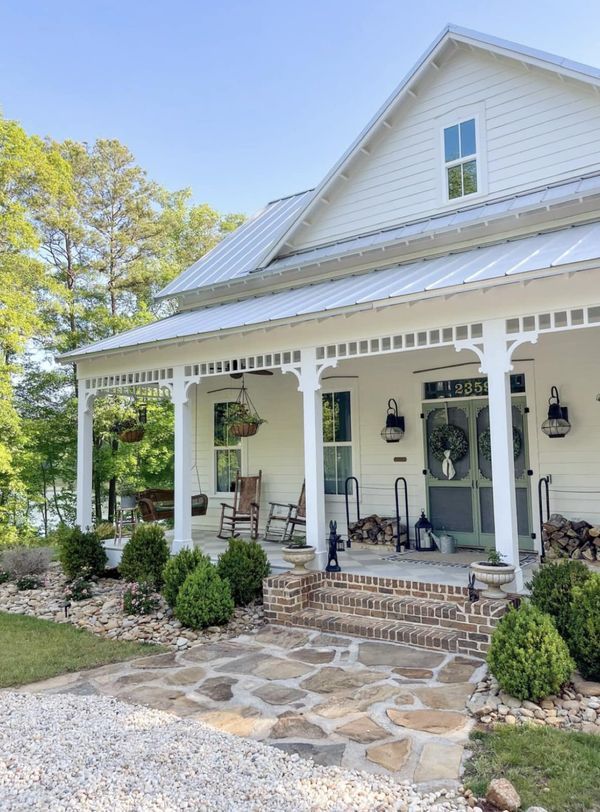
(393, 631)
(405, 608)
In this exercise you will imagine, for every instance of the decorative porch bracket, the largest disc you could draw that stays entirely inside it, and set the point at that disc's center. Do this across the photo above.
(180, 389)
(309, 372)
(495, 349)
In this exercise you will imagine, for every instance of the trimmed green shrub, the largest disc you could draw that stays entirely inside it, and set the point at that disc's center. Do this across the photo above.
(527, 655)
(177, 569)
(81, 553)
(145, 555)
(204, 599)
(552, 591)
(244, 564)
(585, 627)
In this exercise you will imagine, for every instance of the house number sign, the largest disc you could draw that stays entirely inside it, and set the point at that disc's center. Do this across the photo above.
(468, 388)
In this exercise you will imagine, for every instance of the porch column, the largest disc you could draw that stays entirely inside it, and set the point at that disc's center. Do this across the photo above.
(182, 536)
(495, 349)
(85, 450)
(309, 374)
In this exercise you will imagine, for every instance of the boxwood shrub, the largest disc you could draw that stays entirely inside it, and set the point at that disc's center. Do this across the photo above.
(244, 565)
(177, 569)
(584, 634)
(145, 555)
(527, 655)
(552, 591)
(80, 553)
(204, 599)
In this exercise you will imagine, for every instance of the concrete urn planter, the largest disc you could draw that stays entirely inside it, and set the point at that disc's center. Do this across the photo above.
(493, 576)
(299, 556)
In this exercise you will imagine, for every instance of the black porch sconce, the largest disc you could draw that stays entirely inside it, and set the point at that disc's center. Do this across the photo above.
(557, 424)
(393, 431)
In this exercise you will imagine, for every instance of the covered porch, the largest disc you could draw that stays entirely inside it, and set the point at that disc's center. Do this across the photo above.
(361, 362)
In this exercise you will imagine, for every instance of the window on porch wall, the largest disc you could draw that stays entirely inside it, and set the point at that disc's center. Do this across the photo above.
(337, 440)
(227, 451)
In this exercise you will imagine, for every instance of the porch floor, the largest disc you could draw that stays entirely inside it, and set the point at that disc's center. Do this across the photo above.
(382, 562)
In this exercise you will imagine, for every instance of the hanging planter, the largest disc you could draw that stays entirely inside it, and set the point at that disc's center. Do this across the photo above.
(242, 418)
(131, 430)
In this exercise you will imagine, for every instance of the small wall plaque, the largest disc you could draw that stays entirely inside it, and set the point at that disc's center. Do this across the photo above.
(399, 459)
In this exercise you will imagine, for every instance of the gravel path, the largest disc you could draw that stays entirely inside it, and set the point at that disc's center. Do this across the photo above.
(66, 752)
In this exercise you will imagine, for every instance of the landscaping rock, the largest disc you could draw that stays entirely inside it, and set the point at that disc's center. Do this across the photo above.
(503, 795)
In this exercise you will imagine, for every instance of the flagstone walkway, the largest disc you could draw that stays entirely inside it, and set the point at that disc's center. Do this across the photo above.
(361, 704)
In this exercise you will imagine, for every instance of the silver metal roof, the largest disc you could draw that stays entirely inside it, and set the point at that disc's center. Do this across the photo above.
(242, 250)
(542, 251)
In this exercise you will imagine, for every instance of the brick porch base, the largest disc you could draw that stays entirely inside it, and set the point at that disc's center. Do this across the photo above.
(435, 616)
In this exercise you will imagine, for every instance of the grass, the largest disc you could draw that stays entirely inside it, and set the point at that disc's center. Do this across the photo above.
(558, 770)
(33, 649)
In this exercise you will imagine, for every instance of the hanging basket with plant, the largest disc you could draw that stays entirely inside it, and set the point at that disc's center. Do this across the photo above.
(485, 444)
(450, 439)
(132, 429)
(242, 419)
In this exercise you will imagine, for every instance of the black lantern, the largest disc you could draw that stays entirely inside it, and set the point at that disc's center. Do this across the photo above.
(393, 431)
(557, 424)
(423, 528)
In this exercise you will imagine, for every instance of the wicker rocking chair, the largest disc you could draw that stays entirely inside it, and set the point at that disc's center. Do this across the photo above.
(285, 518)
(243, 514)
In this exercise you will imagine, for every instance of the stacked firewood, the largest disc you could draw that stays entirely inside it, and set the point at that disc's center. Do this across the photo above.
(376, 530)
(565, 538)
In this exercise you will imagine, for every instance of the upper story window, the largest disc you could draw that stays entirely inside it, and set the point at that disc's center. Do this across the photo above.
(461, 159)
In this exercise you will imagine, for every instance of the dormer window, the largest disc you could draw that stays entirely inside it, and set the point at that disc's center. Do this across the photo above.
(461, 159)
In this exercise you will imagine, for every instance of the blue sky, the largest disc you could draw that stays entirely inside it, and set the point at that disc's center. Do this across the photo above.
(241, 101)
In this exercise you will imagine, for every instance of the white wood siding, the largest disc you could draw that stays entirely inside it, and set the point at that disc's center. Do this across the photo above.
(538, 129)
(569, 361)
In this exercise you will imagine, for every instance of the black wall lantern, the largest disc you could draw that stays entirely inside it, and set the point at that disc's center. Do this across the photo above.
(393, 431)
(557, 424)
(423, 528)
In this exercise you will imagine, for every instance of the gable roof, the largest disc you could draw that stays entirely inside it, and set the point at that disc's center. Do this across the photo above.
(449, 35)
(241, 251)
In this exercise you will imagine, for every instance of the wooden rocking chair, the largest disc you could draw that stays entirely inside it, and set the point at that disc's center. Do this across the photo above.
(285, 518)
(243, 514)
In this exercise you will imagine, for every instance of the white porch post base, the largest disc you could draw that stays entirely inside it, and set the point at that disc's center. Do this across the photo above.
(495, 351)
(182, 536)
(85, 450)
(308, 374)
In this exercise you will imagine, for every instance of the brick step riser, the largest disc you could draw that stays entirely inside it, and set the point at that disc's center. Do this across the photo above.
(394, 633)
(427, 618)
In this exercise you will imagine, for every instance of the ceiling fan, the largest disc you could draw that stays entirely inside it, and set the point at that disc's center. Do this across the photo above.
(237, 375)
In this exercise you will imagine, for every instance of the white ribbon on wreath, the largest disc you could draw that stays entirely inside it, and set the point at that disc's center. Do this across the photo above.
(448, 469)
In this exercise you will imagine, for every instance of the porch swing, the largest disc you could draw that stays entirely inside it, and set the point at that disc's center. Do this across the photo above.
(155, 504)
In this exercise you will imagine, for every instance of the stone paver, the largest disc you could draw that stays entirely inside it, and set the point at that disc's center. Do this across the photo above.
(338, 700)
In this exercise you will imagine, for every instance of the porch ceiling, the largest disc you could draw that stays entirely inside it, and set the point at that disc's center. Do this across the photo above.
(476, 267)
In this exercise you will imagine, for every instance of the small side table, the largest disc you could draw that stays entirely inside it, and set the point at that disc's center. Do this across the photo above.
(127, 519)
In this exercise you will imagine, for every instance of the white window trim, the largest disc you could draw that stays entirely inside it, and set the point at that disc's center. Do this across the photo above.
(330, 387)
(223, 495)
(476, 112)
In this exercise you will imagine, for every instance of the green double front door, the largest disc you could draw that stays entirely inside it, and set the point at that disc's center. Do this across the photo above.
(460, 497)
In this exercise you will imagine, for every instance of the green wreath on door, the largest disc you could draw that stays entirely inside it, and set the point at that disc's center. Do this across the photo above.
(485, 444)
(448, 438)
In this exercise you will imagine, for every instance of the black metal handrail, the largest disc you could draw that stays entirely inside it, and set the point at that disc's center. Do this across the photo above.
(543, 496)
(346, 495)
(405, 487)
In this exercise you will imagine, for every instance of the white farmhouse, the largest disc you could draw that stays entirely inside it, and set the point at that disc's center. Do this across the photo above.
(449, 261)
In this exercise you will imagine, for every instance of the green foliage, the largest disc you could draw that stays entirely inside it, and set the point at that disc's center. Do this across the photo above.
(145, 555)
(177, 569)
(204, 599)
(584, 634)
(140, 598)
(4, 576)
(80, 589)
(80, 552)
(527, 655)
(28, 582)
(105, 531)
(552, 588)
(244, 565)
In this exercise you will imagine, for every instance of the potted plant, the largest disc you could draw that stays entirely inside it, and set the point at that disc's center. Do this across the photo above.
(298, 553)
(241, 421)
(127, 493)
(493, 573)
(130, 430)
